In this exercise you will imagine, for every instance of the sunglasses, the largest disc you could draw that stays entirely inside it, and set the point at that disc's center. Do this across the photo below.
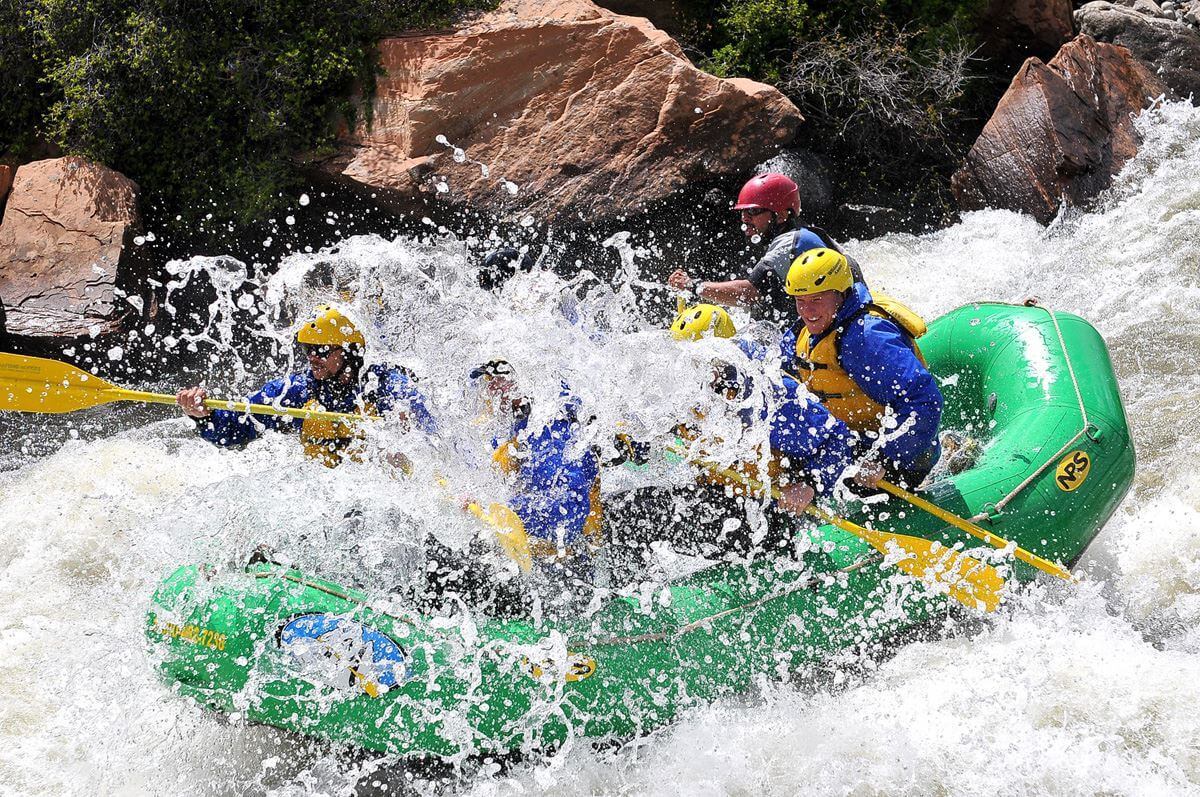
(314, 350)
(754, 212)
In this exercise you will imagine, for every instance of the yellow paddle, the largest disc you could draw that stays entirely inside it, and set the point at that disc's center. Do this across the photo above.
(510, 531)
(1025, 556)
(35, 384)
(969, 581)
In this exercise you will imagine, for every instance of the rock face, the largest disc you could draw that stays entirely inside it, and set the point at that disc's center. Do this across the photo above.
(1013, 30)
(1060, 133)
(61, 266)
(1170, 47)
(559, 110)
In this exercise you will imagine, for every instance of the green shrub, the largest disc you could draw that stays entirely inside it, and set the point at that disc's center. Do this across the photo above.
(22, 94)
(168, 91)
(759, 38)
(886, 86)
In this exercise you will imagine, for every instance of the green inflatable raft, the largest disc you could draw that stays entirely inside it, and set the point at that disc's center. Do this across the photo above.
(288, 649)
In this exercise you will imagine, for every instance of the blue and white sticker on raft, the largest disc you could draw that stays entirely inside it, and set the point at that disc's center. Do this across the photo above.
(334, 650)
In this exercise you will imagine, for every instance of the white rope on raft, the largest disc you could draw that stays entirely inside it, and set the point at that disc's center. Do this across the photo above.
(1003, 502)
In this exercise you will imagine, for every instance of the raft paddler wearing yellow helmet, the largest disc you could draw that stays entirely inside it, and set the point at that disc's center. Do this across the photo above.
(335, 381)
(818, 270)
(693, 323)
(807, 452)
(858, 354)
(330, 327)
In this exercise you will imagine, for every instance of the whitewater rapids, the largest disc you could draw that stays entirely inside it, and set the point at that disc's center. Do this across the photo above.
(1089, 689)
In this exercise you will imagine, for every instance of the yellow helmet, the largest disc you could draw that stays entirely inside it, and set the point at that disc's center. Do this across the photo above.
(330, 327)
(693, 323)
(818, 270)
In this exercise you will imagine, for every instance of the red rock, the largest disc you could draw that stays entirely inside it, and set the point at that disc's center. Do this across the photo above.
(591, 114)
(1060, 132)
(65, 226)
(1012, 30)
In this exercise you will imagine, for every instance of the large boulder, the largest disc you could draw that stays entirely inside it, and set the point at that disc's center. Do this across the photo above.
(62, 272)
(556, 109)
(1170, 47)
(1060, 132)
(1013, 30)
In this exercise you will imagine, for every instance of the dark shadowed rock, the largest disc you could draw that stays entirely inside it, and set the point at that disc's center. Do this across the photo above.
(868, 221)
(812, 177)
(666, 15)
(560, 110)
(65, 227)
(1013, 30)
(1170, 48)
(6, 178)
(1061, 131)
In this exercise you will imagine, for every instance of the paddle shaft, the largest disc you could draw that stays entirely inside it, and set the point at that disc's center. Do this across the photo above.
(869, 535)
(243, 406)
(36, 384)
(1025, 556)
(983, 584)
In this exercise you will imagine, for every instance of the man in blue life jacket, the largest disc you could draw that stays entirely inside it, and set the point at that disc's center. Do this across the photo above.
(858, 354)
(769, 205)
(553, 476)
(335, 381)
(553, 482)
(810, 448)
(809, 451)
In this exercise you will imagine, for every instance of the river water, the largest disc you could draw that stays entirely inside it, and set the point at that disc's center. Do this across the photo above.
(1088, 689)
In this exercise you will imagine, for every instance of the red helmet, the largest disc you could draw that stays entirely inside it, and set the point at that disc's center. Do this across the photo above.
(773, 191)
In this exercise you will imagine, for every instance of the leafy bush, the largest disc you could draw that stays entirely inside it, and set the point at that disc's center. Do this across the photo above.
(887, 86)
(21, 92)
(760, 38)
(862, 87)
(166, 91)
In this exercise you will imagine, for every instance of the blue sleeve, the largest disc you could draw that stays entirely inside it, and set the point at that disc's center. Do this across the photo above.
(878, 357)
(553, 488)
(231, 428)
(752, 349)
(397, 391)
(787, 350)
(816, 444)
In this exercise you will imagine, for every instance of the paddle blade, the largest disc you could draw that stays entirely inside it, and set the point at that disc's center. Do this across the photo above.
(969, 581)
(35, 384)
(510, 532)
